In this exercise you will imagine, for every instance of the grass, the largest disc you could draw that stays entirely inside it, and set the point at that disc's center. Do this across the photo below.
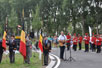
(35, 62)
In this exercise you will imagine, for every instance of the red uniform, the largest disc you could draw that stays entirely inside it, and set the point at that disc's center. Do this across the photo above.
(98, 42)
(75, 41)
(93, 40)
(87, 39)
(68, 38)
(80, 39)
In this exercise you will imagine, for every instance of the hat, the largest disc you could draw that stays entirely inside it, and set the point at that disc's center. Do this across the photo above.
(74, 34)
(92, 33)
(86, 33)
(68, 33)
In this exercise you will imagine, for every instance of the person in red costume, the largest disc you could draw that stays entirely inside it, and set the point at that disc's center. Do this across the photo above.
(98, 44)
(80, 38)
(93, 43)
(68, 41)
(86, 39)
(75, 41)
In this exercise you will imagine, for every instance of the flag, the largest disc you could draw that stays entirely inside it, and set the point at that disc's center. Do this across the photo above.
(23, 44)
(22, 48)
(4, 40)
(40, 43)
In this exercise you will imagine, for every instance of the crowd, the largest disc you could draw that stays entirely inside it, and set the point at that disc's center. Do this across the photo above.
(93, 43)
(75, 41)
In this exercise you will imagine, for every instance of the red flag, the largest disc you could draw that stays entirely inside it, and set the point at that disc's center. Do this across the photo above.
(23, 44)
(4, 40)
(40, 43)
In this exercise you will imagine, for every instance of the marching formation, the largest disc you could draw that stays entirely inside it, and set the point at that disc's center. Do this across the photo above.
(93, 43)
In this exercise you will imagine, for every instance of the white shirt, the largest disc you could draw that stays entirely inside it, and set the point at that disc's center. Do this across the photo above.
(62, 37)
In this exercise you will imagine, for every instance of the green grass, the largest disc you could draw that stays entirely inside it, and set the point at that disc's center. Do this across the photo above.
(35, 62)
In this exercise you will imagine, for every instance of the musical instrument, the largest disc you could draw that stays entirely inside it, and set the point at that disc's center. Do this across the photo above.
(62, 42)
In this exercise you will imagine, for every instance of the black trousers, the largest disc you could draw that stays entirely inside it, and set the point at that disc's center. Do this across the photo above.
(12, 56)
(86, 48)
(68, 46)
(80, 47)
(62, 48)
(46, 56)
(75, 47)
(93, 48)
(98, 49)
(1, 53)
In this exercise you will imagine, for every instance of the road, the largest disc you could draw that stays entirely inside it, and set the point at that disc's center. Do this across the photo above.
(83, 60)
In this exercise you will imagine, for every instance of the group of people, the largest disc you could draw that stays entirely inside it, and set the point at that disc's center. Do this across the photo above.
(94, 43)
(12, 47)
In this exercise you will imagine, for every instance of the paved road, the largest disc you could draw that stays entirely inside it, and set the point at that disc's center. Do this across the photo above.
(83, 60)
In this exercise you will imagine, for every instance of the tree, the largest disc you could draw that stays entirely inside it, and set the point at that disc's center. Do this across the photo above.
(13, 22)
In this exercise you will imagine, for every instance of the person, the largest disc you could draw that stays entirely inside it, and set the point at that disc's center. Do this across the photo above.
(86, 39)
(55, 41)
(75, 41)
(98, 44)
(68, 41)
(80, 38)
(28, 49)
(46, 49)
(12, 48)
(62, 39)
(1, 51)
(93, 43)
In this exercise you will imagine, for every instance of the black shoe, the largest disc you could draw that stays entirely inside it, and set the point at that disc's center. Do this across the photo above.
(45, 64)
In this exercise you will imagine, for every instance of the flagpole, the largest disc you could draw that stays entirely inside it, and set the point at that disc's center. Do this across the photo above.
(42, 53)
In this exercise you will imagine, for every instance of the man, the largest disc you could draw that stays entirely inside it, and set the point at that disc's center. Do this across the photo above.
(28, 49)
(98, 44)
(68, 41)
(12, 48)
(93, 43)
(80, 38)
(46, 49)
(55, 41)
(1, 51)
(86, 39)
(75, 40)
(62, 39)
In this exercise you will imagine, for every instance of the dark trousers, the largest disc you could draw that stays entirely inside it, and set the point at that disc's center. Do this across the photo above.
(93, 48)
(75, 47)
(90, 46)
(1, 53)
(86, 48)
(62, 48)
(27, 60)
(79, 46)
(68, 46)
(98, 49)
(46, 56)
(12, 56)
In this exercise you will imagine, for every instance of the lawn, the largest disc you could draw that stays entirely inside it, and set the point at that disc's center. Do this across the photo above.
(35, 62)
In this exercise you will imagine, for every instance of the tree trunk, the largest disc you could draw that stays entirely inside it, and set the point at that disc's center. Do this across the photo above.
(97, 29)
(83, 28)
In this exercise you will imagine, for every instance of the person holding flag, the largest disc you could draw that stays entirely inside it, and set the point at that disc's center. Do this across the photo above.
(22, 48)
(28, 49)
(1, 51)
(46, 49)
